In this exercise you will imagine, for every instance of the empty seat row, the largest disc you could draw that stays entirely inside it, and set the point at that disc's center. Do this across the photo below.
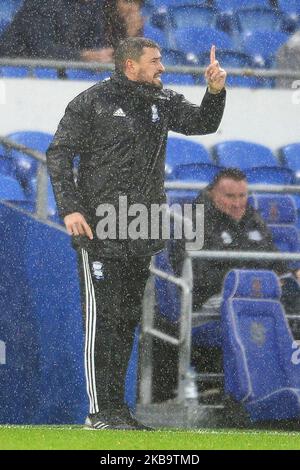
(236, 153)
(229, 6)
(186, 160)
(190, 161)
(261, 46)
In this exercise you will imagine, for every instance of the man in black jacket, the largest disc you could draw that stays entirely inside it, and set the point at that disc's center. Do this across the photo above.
(119, 129)
(230, 224)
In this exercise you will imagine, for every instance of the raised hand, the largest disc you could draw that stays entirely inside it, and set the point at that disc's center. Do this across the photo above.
(214, 74)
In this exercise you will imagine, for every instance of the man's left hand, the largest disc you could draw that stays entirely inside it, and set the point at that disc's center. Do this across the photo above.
(214, 74)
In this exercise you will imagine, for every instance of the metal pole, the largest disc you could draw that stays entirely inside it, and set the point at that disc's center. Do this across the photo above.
(146, 341)
(245, 255)
(185, 329)
(42, 192)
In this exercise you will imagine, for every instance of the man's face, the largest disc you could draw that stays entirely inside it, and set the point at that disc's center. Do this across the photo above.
(149, 67)
(230, 197)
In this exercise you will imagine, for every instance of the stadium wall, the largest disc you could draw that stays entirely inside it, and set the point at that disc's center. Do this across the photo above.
(266, 116)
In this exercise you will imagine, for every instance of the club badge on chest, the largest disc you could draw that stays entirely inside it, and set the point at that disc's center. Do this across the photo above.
(155, 116)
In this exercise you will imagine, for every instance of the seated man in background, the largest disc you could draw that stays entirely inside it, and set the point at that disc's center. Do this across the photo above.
(230, 224)
(85, 30)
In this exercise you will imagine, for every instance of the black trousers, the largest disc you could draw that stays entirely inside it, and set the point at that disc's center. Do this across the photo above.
(112, 292)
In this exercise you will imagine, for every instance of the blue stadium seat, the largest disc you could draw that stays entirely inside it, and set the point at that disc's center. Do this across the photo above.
(175, 57)
(7, 164)
(80, 74)
(189, 16)
(26, 166)
(178, 79)
(279, 211)
(233, 59)
(181, 150)
(258, 347)
(3, 25)
(275, 208)
(289, 6)
(242, 154)
(172, 3)
(257, 161)
(9, 8)
(190, 172)
(270, 175)
(14, 72)
(290, 157)
(263, 45)
(259, 19)
(10, 189)
(286, 238)
(45, 72)
(195, 172)
(156, 35)
(199, 40)
(234, 5)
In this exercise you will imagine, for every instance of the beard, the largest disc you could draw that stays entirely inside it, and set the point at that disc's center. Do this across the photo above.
(156, 81)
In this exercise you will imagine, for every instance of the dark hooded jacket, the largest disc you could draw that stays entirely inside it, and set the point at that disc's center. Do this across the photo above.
(119, 129)
(222, 233)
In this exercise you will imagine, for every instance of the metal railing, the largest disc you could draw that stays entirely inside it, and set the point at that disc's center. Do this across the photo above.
(41, 202)
(259, 188)
(62, 65)
(185, 282)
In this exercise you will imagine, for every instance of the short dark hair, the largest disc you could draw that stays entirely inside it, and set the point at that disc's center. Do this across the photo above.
(131, 48)
(233, 173)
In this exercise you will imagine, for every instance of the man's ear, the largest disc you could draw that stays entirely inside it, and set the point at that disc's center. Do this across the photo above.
(130, 65)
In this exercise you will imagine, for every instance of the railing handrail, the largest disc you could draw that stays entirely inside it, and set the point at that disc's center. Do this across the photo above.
(244, 255)
(40, 156)
(274, 188)
(184, 69)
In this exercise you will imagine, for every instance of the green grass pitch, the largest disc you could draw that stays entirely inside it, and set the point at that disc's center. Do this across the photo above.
(77, 438)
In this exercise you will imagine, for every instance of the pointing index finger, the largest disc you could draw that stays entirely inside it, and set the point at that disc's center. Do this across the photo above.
(212, 54)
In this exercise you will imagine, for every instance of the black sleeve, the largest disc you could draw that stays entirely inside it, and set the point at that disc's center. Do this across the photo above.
(71, 139)
(190, 119)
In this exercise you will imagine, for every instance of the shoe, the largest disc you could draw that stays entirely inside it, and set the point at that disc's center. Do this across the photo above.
(121, 420)
(102, 422)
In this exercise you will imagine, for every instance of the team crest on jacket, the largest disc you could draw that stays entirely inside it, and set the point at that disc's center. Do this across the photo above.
(98, 270)
(155, 116)
(226, 237)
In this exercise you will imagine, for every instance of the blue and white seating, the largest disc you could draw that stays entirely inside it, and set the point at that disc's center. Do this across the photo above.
(260, 365)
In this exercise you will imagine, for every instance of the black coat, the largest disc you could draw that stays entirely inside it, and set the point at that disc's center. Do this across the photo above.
(222, 233)
(119, 128)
